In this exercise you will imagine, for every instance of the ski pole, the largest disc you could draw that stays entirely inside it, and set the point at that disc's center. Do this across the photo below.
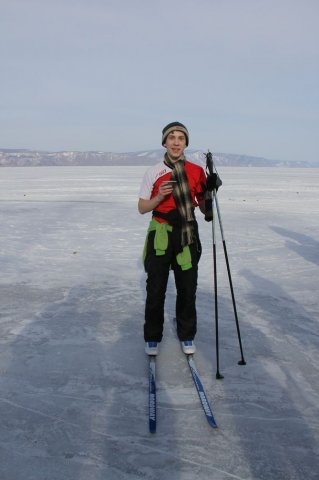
(242, 361)
(219, 376)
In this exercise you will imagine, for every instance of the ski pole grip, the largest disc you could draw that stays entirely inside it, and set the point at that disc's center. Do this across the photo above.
(209, 162)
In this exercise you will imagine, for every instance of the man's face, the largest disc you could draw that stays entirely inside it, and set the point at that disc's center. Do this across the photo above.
(175, 144)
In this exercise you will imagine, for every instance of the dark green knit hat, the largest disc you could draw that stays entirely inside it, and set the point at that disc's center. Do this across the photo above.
(171, 127)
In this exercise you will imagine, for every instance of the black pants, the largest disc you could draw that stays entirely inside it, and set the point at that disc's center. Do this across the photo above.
(157, 268)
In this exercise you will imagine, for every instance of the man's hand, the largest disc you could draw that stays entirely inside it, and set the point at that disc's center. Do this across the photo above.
(145, 206)
(213, 182)
(165, 188)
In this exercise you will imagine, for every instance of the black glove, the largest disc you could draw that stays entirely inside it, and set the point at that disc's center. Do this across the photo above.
(213, 182)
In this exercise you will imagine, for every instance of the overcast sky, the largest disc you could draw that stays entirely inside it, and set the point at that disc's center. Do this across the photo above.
(243, 75)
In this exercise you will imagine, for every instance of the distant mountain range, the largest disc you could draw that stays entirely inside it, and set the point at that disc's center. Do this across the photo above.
(32, 158)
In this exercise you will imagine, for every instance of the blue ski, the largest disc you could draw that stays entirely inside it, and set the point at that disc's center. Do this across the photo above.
(199, 387)
(152, 395)
(201, 392)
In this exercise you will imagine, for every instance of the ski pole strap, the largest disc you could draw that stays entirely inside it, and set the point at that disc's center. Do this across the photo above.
(208, 206)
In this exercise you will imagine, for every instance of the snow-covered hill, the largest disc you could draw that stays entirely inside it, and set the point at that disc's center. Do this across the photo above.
(24, 158)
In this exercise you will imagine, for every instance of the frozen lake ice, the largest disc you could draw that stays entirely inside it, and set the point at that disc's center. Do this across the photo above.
(73, 373)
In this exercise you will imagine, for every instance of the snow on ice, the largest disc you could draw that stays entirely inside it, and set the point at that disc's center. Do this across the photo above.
(73, 373)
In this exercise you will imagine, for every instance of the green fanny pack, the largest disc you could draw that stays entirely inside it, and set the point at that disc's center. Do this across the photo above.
(184, 258)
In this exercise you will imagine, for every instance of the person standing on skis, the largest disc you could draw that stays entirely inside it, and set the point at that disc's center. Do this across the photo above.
(171, 190)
